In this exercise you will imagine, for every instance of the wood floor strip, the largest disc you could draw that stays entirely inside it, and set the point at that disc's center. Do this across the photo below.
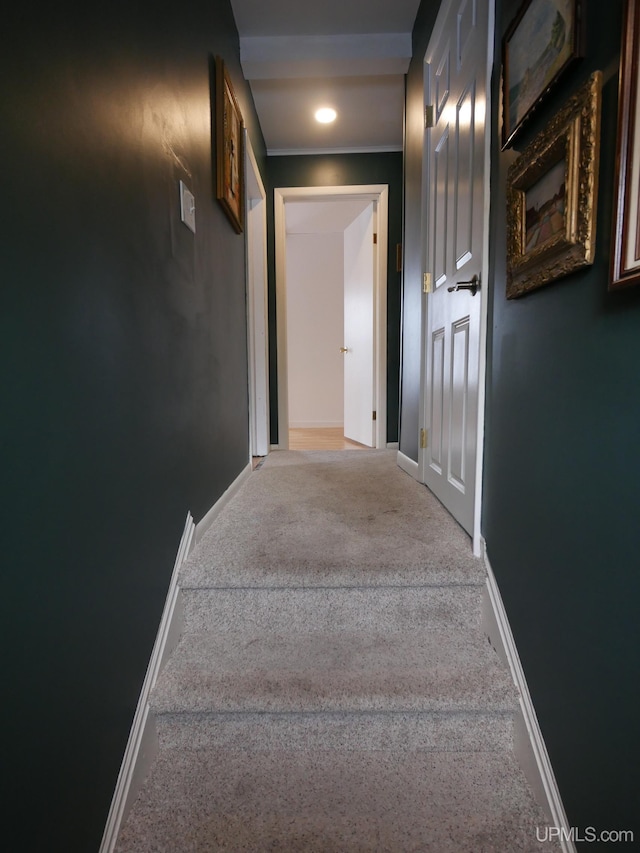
(325, 438)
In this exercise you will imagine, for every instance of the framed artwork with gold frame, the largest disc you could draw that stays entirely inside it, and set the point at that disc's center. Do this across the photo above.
(625, 255)
(229, 149)
(542, 42)
(552, 193)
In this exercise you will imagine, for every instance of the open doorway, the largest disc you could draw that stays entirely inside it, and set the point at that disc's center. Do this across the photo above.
(331, 307)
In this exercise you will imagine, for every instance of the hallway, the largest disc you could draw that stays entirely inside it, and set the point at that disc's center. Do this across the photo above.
(333, 689)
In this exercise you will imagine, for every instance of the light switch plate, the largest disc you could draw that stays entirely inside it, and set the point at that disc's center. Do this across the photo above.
(187, 207)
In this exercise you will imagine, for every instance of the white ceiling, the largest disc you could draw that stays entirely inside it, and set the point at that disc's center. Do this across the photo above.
(349, 54)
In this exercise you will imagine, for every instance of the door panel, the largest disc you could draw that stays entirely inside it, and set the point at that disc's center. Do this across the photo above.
(459, 401)
(441, 206)
(465, 109)
(437, 400)
(359, 377)
(454, 208)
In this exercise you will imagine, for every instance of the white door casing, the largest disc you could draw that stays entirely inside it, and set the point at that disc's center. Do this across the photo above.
(378, 194)
(257, 305)
(359, 307)
(455, 216)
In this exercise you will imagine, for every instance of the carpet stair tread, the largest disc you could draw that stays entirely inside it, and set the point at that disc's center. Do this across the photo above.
(404, 731)
(334, 801)
(314, 520)
(425, 670)
(392, 609)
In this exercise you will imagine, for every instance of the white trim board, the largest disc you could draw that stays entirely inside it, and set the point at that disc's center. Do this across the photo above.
(529, 747)
(367, 149)
(257, 303)
(207, 520)
(408, 465)
(315, 424)
(142, 746)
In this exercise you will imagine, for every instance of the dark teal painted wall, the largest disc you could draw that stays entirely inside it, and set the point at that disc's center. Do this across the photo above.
(338, 170)
(123, 373)
(561, 485)
(562, 491)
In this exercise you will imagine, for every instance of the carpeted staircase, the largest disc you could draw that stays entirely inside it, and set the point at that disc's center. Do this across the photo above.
(333, 690)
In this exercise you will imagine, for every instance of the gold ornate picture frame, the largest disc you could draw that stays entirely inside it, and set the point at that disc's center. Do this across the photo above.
(552, 193)
(625, 255)
(542, 42)
(229, 149)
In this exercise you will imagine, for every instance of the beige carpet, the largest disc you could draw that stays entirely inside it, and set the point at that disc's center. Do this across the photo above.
(333, 689)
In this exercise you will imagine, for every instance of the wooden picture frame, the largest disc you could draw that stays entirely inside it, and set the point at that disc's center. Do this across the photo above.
(625, 243)
(552, 193)
(542, 42)
(229, 149)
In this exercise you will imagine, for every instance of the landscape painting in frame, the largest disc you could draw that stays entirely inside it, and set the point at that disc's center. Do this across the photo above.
(552, 192)
(545, 207)
(541, 43)
(625, 257)
(229, 148)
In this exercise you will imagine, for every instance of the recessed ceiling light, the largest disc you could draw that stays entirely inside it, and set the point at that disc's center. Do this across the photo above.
(325, 115)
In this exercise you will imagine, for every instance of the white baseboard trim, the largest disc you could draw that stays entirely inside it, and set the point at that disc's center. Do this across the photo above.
(142, 746)
(408, 465)
(529, 746)
(315, 424)
(207, 520)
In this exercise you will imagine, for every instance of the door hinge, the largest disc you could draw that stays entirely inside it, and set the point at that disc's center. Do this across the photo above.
(428, 116)
(424, 438)
(426, 283)
(375, 415)
(375, 238)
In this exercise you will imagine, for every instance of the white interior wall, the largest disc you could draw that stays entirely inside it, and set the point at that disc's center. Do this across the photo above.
(315, 317)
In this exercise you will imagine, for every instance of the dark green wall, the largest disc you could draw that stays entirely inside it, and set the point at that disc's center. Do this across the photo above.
(561, 491)
(561, 485)
(338, 170)
(123, 373)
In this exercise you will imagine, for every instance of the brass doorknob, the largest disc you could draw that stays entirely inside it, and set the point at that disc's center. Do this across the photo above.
(344, 349)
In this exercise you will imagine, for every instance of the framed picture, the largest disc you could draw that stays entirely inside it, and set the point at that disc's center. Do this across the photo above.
(542, 41)
(229, 145)
(625, 255)
(552, 195)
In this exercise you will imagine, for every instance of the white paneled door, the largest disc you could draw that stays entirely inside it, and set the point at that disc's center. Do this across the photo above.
(456, 73)
(359, 321)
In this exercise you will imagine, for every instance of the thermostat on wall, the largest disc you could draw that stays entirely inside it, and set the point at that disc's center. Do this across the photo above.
(187, 208)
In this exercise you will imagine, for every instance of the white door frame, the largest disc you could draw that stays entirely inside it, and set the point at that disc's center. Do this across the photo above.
(257, 304)
(378, 193)
(483, 293)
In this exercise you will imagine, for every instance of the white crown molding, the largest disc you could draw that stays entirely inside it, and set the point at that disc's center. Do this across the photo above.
(374, 149)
